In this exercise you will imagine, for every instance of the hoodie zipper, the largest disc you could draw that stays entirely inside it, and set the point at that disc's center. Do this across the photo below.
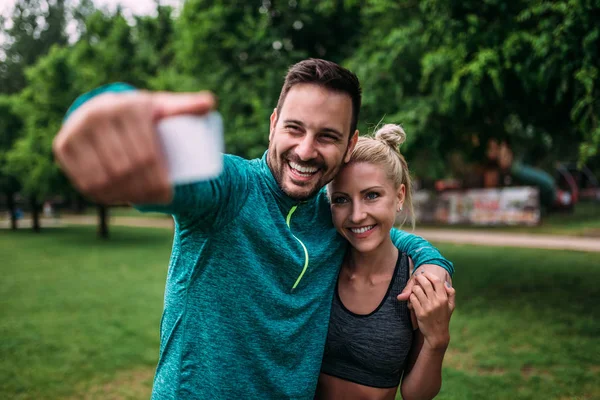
(287, 221)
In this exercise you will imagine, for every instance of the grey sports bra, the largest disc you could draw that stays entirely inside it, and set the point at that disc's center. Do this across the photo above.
(371, 349)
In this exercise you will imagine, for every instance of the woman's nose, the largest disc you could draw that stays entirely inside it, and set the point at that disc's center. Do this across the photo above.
(358, 213)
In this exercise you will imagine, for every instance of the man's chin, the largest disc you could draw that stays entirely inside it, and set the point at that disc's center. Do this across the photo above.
(300, 193)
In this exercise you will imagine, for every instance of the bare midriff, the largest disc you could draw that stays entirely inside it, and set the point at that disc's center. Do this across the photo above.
(332, 388)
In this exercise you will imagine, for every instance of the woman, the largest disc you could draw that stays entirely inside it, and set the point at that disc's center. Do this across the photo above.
(371, 343)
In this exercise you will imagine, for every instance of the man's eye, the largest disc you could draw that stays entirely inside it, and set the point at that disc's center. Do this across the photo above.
(372, 195)
(339, 200)
(293, 128)
(329, 138)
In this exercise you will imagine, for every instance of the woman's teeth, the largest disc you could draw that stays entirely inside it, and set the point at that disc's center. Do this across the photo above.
(362, 230)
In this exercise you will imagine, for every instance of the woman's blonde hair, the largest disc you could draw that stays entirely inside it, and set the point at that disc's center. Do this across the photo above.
(383, 149)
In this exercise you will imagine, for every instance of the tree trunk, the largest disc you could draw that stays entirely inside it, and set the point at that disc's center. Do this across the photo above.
(35, 214)
(10, 198)
(102, 222)
(79, 204)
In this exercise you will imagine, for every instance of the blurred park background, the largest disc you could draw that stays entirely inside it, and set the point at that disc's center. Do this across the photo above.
(496, 96)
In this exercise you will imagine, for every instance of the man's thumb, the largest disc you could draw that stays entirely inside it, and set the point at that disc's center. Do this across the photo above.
(166, 104)
(406, 292)
(451, 297)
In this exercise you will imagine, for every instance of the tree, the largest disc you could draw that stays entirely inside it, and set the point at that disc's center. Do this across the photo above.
(241, 53)
(457, 73)
(11, 125)
(41, 106)
(153, 38)
(36, 26)
(107, 52)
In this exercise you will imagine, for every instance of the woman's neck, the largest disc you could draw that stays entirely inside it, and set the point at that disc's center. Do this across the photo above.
(378, 261)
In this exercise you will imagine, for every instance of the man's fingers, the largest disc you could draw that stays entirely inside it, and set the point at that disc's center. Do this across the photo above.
(151, 180)
(407, 291)
(67, 162)
(109, 147)
(114, 157)
(94, 181)
(451, 297)
(170, 104)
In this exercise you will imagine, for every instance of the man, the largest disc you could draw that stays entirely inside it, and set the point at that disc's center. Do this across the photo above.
(255, 255)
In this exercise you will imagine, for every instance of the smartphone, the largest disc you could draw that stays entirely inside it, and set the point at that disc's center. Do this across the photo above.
(193, 146)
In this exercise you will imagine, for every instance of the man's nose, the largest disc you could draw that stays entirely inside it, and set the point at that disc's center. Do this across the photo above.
(306, 149)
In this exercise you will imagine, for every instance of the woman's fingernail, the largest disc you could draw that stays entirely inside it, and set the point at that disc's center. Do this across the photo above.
(448, 285)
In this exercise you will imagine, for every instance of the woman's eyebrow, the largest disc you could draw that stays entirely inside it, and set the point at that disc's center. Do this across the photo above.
(371, 188)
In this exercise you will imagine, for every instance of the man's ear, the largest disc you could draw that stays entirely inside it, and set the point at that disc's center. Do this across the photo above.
(351, 145)
(272, 124)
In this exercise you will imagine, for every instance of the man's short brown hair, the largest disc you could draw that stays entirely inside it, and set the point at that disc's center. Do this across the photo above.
(328, 75)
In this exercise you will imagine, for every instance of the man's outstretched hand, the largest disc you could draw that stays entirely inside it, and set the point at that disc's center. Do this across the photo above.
(110, 150)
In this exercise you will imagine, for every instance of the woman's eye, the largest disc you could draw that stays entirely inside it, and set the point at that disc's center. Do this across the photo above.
(372, 195)
(339, 200)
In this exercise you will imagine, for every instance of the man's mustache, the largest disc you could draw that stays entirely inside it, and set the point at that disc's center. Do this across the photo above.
(291, 157)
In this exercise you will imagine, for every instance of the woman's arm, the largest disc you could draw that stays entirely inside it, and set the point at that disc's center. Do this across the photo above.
(433, 304)
(423, 376)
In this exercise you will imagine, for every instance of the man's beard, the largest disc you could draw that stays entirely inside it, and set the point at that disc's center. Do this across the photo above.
(290, 156)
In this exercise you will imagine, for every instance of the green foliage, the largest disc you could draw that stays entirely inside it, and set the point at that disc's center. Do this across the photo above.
(41, 107)
(452, 73)
(10, 128)
(242, 53)
(36, 26)
(104, 53)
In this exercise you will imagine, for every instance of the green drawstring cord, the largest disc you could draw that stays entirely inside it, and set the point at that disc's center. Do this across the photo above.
(287, 221)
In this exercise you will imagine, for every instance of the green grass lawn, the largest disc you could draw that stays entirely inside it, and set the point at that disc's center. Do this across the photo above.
(526, 326)
(76, 311)
(79, 318)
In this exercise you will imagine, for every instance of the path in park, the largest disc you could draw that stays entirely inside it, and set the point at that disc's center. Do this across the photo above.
(475, 237)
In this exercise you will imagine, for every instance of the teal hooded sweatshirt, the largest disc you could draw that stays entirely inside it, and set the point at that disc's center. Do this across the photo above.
(249, 287)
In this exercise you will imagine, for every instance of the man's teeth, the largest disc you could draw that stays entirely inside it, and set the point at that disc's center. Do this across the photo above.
(302, 169)
(363, 229)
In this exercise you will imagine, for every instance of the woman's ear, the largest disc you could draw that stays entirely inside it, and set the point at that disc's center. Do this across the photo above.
(401, 196)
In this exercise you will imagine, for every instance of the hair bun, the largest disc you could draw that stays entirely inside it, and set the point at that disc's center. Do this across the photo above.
(392, 135)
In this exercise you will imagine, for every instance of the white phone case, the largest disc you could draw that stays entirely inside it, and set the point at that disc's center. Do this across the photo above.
(193, 146)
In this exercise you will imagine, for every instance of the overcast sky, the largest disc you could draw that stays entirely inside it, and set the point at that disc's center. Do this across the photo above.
(129, 7)
(133, 6)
